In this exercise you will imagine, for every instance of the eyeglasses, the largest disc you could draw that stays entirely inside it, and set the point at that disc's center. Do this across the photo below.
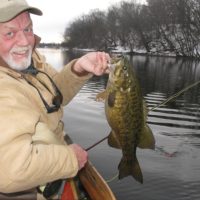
(57, 99)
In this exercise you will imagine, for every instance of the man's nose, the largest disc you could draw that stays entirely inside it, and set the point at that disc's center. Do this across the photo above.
(22, 38)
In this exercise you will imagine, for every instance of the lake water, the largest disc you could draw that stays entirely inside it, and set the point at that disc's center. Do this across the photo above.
(172, 170)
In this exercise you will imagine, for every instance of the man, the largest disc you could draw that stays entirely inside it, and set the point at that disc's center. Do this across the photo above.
(32, 147)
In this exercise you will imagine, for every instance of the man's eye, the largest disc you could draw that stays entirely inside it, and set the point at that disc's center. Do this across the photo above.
(28, 30)
(10, 34)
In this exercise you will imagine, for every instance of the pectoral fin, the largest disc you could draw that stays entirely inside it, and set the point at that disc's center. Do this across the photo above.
(101, 96)
(113, 140)
(147, 140)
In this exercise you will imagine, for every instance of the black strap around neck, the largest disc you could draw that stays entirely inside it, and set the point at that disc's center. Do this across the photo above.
(30, 70)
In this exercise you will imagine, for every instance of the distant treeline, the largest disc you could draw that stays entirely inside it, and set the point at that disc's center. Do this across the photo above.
(160, 27)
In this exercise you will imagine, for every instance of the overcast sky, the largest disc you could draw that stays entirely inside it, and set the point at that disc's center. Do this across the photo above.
(58, 13)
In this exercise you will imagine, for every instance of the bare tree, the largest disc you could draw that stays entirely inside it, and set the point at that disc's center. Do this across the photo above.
(161, 26)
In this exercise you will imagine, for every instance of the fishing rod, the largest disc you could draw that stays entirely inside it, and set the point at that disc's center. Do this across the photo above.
(95, 144)
(175, 95)
(154, 108)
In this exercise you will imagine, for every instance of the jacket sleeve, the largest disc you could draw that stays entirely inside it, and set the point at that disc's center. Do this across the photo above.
(25, 163)
(67, 81)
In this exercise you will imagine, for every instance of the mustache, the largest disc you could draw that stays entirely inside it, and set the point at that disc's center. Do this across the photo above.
(21, 49)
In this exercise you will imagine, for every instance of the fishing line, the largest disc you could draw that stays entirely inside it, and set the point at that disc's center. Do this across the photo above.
(92, 146)
(112, 178)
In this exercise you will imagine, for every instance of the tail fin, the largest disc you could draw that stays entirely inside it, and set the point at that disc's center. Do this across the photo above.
(133, 169)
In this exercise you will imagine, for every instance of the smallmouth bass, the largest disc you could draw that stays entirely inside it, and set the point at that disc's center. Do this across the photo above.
(126, 113)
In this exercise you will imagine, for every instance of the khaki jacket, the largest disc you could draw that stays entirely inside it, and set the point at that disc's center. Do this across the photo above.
(32, 148)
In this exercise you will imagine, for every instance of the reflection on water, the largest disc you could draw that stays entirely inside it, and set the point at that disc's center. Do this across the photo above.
(162, 77)
(172, 171)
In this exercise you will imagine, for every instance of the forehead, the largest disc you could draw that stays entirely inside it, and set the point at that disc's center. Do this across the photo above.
(20, 21)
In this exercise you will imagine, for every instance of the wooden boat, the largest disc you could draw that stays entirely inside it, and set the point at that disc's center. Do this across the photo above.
(88, 185)
(88, 182)
(94, 184)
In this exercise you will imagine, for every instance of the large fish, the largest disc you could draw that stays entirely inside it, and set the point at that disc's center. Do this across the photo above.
(126, 114)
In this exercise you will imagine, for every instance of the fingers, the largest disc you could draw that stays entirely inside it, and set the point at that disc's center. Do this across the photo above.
(104, 59)
(81, 154)
(93, 62)
(101, 64)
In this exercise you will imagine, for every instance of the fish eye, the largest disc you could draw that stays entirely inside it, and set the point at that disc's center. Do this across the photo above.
(124, 68)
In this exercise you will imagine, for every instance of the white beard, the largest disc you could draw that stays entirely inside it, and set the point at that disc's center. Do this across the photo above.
(24, 64)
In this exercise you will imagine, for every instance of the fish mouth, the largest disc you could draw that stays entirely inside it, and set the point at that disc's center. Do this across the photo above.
(113, 62)
(111, 67)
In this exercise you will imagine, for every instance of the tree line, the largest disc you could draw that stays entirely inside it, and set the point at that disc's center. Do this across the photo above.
(158, 27)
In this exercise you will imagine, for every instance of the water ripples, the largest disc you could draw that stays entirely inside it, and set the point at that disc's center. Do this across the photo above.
(179, 119)
(172, 171)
